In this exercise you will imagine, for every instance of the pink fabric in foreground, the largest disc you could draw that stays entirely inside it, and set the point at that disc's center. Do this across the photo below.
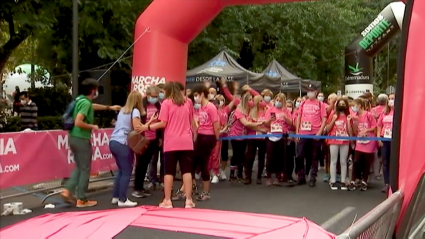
(230, 224)
(108, 223)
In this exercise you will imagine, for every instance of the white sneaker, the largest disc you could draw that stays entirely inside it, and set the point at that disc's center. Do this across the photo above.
(215, 179)
(114, 200)
(197, 176)
(127, 203)
(223, 175)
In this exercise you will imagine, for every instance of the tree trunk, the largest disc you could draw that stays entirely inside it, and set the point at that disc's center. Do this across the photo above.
(1, 85)
(32, 79)
(14, 41)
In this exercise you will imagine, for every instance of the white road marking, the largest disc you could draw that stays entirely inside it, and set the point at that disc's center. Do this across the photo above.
(337, 217)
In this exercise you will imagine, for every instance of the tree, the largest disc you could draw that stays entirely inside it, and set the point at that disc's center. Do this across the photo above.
(23, 18)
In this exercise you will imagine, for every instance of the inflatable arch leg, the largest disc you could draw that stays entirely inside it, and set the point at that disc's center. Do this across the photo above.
(160, 55)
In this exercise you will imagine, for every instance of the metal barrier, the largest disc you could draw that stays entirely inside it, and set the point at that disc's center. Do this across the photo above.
(50, 186)
(378, 223)
(419, 231)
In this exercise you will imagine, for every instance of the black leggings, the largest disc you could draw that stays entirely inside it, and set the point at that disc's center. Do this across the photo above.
(275, 157)
(361, 165)
(251, 151)
(238, 148)
(290, 160)
(143, 163)
(204, 145)
(225, 150)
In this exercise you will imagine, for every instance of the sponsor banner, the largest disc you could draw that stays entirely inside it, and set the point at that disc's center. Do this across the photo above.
(358, 89)
(377, 34)
(358, 67)
(39, 156)
(141, 83)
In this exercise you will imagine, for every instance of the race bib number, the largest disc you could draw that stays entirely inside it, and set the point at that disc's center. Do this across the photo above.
(341, 134)
(388, 133)
(276, 128)
(306, 126)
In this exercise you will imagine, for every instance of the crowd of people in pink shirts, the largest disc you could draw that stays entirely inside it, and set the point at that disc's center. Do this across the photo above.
(186, 129)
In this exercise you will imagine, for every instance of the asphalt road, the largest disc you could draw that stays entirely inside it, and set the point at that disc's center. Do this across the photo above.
(333, 210)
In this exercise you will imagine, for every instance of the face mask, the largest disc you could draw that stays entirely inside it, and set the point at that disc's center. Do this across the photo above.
(23, 102)
(250, 104)
(210, 96)
(262, 104)
(341, 108)
(289, 108)
(278, 104)
(96, 95)
(391, 103)
(197, 106)
(161, 95)
(221, 103)
(267, 99)
(321, 98)
(354, 109)
(197, 99)
(152, 100)
(311, 95)
(297, 104)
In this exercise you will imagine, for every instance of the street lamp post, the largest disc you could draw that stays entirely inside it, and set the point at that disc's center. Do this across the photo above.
(75, 49)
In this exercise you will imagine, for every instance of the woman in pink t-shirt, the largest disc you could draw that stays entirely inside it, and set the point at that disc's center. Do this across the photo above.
(339, 124)
(152, 106)
(239, 122)
(208, 132)
(257, 114)
(385, 130)
(176, 117)
(223, 114)
(278, 119)
(364, 126)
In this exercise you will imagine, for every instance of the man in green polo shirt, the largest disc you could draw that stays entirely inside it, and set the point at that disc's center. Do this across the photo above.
(79, 141)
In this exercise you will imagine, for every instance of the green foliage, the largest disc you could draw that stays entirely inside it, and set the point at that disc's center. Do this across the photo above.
(50, 101)
(308, 37)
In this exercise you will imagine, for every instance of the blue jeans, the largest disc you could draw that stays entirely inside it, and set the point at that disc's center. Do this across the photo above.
(124, 158)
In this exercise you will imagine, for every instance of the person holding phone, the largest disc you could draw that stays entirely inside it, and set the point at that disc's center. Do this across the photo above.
(152, 106)
(278, 119)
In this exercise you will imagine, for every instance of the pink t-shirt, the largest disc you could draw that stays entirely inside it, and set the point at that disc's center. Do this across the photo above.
(378, 110)
(206, 116)
(261, 118)
(223, 115)
(386, 124)
(150, 111)
(312, 112)
(279, 125)
(340, 128)
(178, 133)
(364, 122)
(237, 128)
(294, 115)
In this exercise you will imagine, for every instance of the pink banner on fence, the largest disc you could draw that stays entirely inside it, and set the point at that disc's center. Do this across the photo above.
(39, 156)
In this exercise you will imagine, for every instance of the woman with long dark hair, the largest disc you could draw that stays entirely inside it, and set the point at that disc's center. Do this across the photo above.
(339, 124)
